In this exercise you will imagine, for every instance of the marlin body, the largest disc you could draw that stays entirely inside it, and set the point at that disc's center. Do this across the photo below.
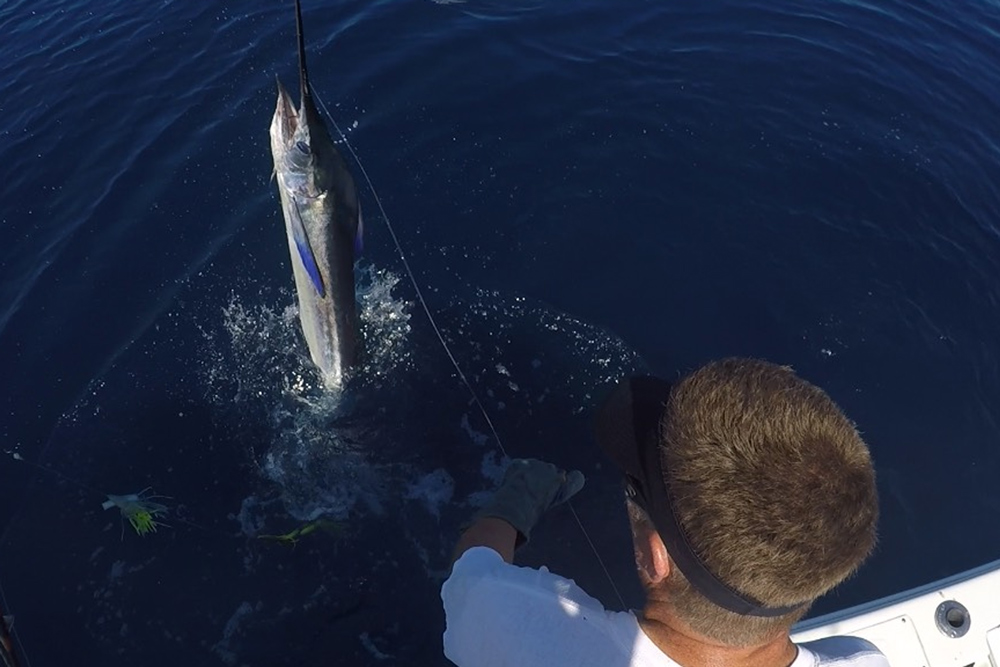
(319, 202)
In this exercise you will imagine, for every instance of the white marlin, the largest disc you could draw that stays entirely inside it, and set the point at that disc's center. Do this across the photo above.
(323, 223)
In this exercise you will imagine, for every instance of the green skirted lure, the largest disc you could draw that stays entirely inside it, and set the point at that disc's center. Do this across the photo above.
(292, 538)
(140, 509)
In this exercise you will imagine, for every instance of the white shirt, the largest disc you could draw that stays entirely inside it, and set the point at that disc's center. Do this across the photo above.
(502, 615)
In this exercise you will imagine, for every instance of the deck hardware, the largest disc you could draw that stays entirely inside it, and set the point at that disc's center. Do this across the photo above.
(953, 619)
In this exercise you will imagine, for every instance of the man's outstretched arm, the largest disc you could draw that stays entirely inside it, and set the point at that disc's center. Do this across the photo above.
(529, 488)
(489, 532)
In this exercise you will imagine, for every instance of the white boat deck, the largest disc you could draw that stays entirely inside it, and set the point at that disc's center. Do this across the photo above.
(953, 622)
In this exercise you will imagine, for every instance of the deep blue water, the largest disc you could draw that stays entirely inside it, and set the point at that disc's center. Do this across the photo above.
(582, 188)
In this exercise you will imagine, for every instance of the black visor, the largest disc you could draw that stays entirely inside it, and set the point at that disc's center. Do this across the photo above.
(628, 430)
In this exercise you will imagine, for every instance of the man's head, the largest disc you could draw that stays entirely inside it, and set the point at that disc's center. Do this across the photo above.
(751, 494)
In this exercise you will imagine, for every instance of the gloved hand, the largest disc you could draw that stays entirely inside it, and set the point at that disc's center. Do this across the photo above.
(529, 488)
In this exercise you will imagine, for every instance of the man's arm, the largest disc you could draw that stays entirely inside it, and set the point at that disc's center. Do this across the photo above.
(489, 532)
(528, 489)
(486, 602)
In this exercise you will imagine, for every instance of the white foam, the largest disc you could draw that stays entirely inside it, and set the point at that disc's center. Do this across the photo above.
(261, 364)
(433, 490)
(479, 438)
(232, 627)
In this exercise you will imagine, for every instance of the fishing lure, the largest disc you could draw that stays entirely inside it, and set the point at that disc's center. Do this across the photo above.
(140, 509)
(293, 537)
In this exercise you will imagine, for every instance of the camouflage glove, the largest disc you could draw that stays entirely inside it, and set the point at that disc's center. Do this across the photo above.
(529, 488)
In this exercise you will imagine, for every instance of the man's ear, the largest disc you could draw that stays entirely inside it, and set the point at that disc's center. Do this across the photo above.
(652, 557)
(659, 561)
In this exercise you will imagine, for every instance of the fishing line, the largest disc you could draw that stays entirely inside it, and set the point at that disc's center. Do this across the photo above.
(52, 471)
(440, 337)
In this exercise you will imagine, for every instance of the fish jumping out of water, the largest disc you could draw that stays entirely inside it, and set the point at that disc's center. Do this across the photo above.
(323, 223)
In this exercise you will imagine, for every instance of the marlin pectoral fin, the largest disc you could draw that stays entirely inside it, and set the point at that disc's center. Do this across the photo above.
(305, 250)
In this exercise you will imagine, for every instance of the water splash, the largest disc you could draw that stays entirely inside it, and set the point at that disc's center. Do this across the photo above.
(339, 454)
(261, 346)
(260, 364)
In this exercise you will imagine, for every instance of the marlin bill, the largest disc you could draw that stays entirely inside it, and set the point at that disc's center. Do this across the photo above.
(319, 202)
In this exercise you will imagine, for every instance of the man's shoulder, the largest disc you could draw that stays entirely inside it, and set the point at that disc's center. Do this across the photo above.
(845, 651)
(499, 614)
(482, 568)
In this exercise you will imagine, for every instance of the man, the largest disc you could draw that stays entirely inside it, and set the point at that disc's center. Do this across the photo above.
(750, 494)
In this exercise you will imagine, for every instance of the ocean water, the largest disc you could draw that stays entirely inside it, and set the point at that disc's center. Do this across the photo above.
(583, 189)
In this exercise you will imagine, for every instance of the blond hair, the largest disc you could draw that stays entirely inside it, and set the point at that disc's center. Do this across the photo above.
(774, 487)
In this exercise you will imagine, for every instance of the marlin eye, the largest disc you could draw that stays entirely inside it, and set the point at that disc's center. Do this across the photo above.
(303, 147)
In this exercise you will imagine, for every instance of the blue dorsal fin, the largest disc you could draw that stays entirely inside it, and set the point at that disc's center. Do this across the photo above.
(305, 250)
(359, 233)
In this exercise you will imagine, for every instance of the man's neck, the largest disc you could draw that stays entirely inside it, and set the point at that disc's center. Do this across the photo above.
(687, 648)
